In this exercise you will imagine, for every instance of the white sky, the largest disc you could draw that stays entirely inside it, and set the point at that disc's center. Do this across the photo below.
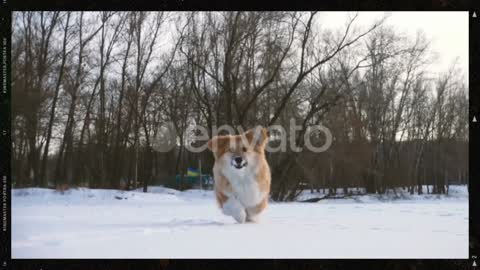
(447, 31)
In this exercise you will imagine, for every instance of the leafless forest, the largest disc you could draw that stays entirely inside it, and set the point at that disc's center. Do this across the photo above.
(92, 90)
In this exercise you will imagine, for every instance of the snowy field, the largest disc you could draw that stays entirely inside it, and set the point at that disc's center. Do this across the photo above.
(165, 223)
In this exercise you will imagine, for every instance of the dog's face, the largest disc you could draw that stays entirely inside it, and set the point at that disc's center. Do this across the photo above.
(239, 151)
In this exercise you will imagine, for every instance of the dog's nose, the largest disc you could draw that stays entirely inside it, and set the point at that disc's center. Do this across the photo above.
(238, 160)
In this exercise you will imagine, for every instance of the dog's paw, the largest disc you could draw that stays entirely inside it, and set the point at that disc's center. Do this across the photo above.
(252, 215)
(234, 208)
(253, 218)
(240, 216)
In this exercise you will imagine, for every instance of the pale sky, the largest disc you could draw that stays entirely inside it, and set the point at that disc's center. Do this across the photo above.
(447, 31)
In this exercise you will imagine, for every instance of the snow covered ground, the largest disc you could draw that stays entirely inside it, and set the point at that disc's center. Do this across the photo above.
(165, 223)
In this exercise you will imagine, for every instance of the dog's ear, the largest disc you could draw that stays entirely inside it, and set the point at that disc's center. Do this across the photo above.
(210, 143)
(217, 142)
(257, 136)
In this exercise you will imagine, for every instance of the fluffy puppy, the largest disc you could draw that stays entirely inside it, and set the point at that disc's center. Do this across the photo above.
(241, 173)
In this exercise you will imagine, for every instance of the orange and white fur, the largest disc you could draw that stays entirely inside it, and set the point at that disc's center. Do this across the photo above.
(241, 173)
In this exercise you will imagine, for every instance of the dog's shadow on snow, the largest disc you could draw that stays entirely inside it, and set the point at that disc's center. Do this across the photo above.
(184, 223)
(191, 222)
(174, 223)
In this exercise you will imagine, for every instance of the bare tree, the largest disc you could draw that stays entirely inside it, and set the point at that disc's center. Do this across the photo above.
(93, 91)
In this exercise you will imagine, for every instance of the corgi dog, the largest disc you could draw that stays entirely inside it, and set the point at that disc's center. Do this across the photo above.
(241, 174)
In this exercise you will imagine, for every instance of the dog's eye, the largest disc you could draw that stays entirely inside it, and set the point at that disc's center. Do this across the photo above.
(244, 149)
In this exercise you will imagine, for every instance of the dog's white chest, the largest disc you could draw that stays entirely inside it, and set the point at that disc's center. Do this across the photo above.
(245, 187)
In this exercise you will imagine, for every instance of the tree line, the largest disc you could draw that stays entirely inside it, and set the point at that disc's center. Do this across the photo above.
(92, 92)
